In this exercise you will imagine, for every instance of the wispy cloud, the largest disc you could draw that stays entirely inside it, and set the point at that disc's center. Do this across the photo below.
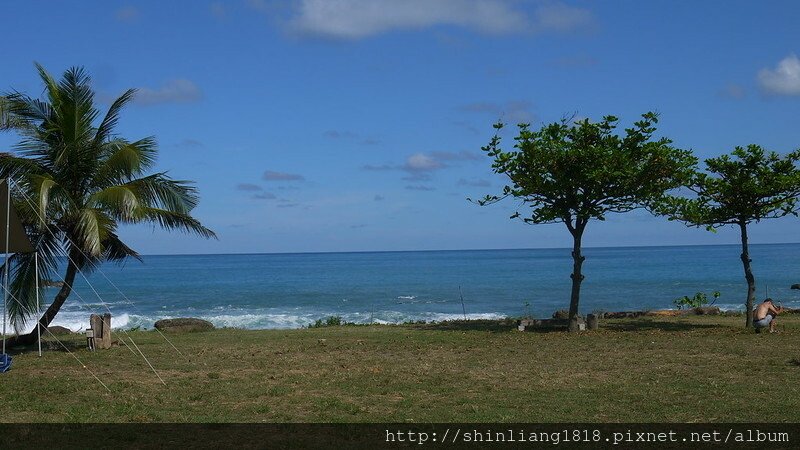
(248, 187)
(264, 196)
(271, 175)
(127, 14)
(513, 111)
(421, 166)
(784, 79)
(419, 187)
(355, 19)
(379, 198)
(190, 143)
(346, 135)
(473, 182)
(173, 91)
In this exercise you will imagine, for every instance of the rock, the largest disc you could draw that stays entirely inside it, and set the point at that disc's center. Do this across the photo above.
(184, 325)
(707, 311)
(795, 286)
(577, 324)
(55, 329)
(561, 314)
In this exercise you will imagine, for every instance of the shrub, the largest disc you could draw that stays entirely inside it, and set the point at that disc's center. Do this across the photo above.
(699, 299)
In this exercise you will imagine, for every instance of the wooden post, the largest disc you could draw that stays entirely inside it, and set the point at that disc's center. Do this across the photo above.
(106, 331)
(593, 321)
(101, 331)
(96, 324)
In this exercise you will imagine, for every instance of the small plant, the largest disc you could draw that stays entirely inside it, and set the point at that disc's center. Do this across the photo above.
(332, 321)
(699, 299)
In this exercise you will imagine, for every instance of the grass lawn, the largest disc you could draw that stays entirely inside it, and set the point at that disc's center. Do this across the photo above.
(652, 369)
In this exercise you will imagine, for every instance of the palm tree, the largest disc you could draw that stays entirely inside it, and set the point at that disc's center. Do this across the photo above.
(78, 181)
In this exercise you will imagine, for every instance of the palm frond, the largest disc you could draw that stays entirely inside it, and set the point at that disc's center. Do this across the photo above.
(123, 160)
(105, 131)
(22, 301)
(160, 191)
(91, 229)
(171, 220)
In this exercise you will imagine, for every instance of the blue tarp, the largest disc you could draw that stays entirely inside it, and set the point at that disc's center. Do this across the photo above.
(5, 363)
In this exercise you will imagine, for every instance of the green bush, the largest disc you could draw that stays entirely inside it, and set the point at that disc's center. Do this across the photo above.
(332, 321)
(699, 299)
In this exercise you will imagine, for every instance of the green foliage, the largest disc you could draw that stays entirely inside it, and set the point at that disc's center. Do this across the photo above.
(77, 180)
(748, 185)
(332, 321)
(699, 299)
(572, 173)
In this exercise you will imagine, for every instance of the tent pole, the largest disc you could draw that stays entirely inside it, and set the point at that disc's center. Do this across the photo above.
(5, 271)
(38, 304)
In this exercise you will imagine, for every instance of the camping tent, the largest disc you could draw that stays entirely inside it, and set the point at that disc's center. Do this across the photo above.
(13, 239)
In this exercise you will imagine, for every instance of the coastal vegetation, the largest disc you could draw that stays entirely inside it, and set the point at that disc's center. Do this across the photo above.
(644, 369)
(574, 172)
(745, 187)
(76, 181)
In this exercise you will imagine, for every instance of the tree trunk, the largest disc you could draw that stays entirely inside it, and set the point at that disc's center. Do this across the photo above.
(748, 275)
(577, 276)
(52, 310)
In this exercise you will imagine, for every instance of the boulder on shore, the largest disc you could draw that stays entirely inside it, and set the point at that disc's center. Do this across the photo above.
(57, 330)
(184, 325)
(795, 286)
(707, 311)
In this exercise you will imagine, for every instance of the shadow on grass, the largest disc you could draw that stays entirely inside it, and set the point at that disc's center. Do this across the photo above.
(650, 325)
(505, 326)
(67, 343)
(494, 326)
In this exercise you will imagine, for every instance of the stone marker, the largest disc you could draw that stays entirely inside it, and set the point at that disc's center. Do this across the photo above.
(101, 331)
(593, 321)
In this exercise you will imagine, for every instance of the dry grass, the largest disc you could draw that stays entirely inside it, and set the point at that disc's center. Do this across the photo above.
(657, 369)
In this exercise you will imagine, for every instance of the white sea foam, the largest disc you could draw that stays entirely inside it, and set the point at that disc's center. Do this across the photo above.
(79, 320)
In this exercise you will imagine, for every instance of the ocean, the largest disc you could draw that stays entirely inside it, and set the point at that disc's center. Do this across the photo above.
(259, 291)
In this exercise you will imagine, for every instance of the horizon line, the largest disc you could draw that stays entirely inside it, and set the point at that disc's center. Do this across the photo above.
(459, 250)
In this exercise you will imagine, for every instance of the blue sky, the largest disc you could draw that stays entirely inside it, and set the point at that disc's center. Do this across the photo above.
(356, 125)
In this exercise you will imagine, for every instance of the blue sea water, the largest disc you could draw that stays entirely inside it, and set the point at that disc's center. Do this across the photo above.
(293, 290)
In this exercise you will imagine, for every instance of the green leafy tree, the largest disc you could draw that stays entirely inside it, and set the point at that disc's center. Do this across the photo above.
(747, 186)
(78, 181)
(572, 173)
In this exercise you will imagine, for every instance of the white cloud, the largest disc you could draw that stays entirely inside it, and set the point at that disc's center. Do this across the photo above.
(420, 162)
(354, 19)
(784, 79)
(173, 91)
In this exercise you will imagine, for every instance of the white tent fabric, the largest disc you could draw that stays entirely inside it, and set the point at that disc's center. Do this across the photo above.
(13, 239)
(18, 241)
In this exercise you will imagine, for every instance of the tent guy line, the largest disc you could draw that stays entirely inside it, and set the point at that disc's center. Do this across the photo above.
(80, 298)
(99, 270)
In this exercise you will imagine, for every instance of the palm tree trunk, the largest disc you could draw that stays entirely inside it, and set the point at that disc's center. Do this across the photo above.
(748, 275)
(52, 310)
